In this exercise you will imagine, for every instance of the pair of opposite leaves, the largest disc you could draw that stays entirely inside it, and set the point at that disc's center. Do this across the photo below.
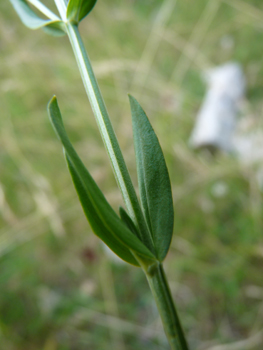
(77, 10)
(121, 235)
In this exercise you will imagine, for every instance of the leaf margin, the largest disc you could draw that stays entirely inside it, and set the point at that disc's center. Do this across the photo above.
(116, 246)
(156, 197)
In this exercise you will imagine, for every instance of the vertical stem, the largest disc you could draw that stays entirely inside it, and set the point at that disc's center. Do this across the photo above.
(161, 292)
(155, 273)
(108, 135)
(62, 9)
(42, 8)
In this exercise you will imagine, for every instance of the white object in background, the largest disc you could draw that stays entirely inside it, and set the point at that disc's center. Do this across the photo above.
(216, 119)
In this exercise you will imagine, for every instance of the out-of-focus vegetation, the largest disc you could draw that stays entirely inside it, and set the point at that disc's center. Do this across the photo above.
(59, 290)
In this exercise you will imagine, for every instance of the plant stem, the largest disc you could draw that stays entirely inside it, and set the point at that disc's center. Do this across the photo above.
(161, 292)
(155, 273)
(42, 8)
(62, 9)
(108, 135)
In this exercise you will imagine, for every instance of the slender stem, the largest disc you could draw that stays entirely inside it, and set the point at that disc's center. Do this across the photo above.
(161, 292)
(46, 11)
(108, 135)
(62, 9)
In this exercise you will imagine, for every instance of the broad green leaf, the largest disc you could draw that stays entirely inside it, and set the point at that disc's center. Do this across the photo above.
(154, 182)
(33, 21)
(79, 9)
(106, 216)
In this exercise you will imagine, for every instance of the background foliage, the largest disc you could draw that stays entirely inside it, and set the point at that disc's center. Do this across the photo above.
(59, 289)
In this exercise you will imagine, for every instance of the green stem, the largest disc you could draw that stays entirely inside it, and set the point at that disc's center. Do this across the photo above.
(108, 135)
(161, 292)
(62, 9)
(42, 8)
(155, 274)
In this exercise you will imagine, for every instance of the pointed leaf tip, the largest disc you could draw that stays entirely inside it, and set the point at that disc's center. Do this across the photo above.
(154, 182)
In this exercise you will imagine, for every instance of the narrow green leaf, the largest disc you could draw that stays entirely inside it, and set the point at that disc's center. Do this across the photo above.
(154, 182)
(128, 222)
(98, 226)
(107, 216)
(79, 9)
(33, 21)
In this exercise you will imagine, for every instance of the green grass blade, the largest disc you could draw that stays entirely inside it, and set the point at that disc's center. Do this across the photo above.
(33, 21)
(98, 226)
(154, 182)
(104, 211)
(79, 9)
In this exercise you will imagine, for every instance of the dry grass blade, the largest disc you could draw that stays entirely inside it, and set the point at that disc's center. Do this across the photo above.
(145, 63)
(247, 344)
(198, 33)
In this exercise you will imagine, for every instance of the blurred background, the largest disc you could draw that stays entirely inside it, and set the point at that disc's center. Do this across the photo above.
(59, 288)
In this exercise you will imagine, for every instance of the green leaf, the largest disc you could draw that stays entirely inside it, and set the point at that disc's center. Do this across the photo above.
(98, 226)
(54, 28)
(33, 21)
(79, 9)
(128, 222)
(106, 223)
(154, 182)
